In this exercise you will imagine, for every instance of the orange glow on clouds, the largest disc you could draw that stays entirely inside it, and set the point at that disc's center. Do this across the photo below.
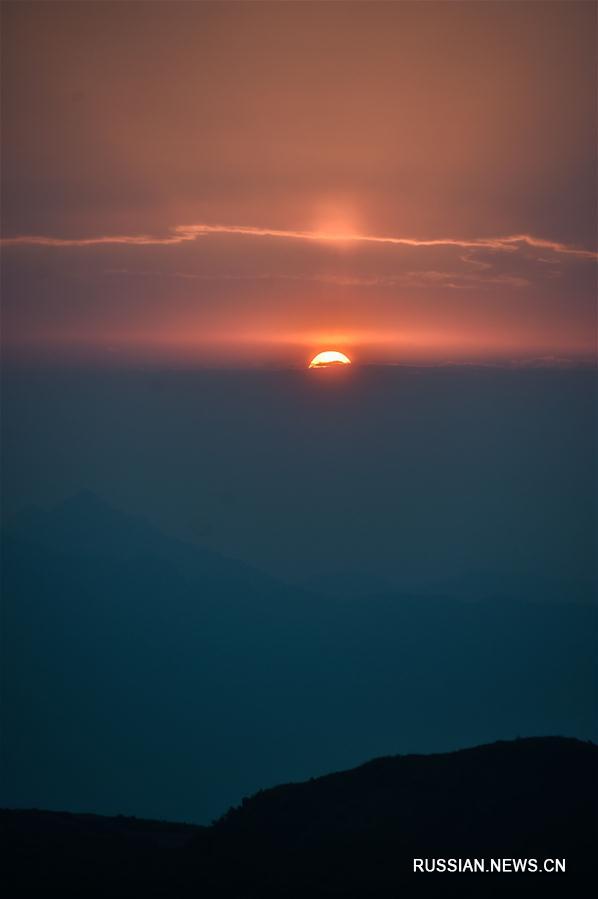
(330, 231)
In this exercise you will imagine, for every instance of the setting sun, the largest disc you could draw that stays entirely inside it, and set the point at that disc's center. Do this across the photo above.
(329, 357)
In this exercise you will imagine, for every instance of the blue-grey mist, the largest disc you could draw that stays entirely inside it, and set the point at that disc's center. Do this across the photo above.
(215, 581)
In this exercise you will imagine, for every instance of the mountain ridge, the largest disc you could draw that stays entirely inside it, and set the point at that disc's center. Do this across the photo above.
(163, 652)
(344, 834)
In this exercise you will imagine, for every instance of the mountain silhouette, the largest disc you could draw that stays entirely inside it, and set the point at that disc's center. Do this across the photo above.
(354, 833)
(84, 526)
(130, 657)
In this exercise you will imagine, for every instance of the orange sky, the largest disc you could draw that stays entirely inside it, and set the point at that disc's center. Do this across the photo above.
(249, 183)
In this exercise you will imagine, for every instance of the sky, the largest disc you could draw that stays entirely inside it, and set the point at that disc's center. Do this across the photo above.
(247, 184)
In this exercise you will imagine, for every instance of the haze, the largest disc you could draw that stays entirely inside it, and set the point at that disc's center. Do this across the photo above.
(223, 183)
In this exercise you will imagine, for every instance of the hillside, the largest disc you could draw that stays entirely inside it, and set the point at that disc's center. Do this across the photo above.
(353, 833)
(208, 679)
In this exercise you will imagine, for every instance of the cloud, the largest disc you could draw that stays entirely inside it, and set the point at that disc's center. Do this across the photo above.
(184, 233)
(424, 278)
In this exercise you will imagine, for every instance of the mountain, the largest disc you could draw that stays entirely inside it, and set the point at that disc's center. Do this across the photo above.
(86, 527)
(357, 832)
(130, 658)
(349, 834)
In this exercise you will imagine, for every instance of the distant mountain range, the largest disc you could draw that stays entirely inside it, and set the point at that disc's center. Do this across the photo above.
(352, 834)
(131, 658)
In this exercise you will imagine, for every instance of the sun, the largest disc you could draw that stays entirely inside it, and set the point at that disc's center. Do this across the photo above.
(329, 358)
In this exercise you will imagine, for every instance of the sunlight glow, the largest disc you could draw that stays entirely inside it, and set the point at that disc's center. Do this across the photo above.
(329, 357)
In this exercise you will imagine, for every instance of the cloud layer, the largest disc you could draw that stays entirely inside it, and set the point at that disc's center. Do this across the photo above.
(182, 233)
